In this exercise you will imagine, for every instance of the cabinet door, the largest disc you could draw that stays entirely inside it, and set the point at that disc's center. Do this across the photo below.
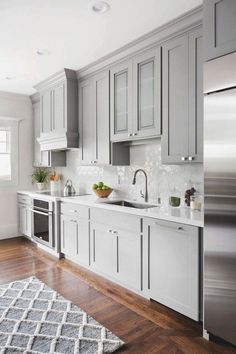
(147, 94)
(75, 238)
(175, 140)
(25, 220)
(172, 265)
(86, 121)
(46, 111)
(36, 116)
(129, 258)
(69, 236)
(195, 96)
(103, 249)
(219, 27)
(102, 116)
(58, 107)
(121, 101)
(83, 242)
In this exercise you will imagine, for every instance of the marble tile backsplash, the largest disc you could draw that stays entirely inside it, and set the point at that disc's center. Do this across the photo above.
(162, 179)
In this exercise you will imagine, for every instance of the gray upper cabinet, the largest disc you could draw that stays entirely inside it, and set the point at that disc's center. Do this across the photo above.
(44, 158)
(196, 96)
(94, 128)
(219, 27)
(121, 101)
(147, 92)
(94, 119)
(135, 97)
(182, 110)
(58, 111)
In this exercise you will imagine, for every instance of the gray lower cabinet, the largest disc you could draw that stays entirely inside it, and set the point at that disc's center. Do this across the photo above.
(171, 265)
(94, 129)
(117, 246)
(103, 249)
(219, 27)
(44, 158)
(135, 97)
(182, 109)
(24, 215)
(75, 238)
(25, 220)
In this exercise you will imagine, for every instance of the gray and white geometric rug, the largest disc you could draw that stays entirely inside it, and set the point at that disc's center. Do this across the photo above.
(36, 319)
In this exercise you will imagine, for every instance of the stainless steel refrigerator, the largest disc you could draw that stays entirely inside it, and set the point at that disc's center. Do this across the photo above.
(220, 197)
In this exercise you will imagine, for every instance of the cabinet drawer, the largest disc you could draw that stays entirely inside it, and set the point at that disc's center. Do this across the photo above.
(75, 210)
(116, 219)
(24, 199)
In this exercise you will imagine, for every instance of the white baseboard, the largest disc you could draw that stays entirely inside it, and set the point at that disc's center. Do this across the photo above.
(9, 231)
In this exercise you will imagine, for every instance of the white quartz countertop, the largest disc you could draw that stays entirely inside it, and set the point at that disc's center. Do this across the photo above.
(180, 215)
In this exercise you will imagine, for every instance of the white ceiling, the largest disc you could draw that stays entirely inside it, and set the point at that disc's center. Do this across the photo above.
(74, 35)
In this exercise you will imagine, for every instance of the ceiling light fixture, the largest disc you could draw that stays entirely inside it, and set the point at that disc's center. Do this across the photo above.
(42, 52)
(9, 78)
(100, 7)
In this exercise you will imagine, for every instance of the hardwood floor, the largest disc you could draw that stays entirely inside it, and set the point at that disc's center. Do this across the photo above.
(145, 326)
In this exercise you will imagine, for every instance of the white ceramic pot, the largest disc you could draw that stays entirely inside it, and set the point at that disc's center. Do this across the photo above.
(40, 186)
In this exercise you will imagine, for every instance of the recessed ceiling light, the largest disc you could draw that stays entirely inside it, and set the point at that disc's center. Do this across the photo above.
(100, 7)
(43, 52)
(9, 78)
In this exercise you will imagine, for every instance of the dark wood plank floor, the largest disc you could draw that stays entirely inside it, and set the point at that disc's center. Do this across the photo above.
(145, 326)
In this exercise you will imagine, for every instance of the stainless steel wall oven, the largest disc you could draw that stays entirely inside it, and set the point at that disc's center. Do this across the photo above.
(43, 222)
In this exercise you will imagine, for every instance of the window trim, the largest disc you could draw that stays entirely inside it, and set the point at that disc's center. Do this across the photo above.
(13, 124)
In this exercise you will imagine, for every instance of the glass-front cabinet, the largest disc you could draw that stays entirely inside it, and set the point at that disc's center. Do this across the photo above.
(135, 97)
(121, 101)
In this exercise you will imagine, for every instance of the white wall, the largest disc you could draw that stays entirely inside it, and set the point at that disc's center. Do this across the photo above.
(14, 105)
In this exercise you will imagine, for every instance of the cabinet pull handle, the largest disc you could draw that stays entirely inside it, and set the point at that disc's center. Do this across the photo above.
(178, 228)
(190, 158)
(109, 231)
(129, 134)
(134, 134)
(91, 162)
(183, 158)
(114, 232)
(94, 161)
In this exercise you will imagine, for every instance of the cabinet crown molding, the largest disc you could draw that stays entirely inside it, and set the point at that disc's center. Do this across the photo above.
(55, 78)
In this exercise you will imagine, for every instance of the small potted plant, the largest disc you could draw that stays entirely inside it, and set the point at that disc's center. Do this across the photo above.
(40, 176)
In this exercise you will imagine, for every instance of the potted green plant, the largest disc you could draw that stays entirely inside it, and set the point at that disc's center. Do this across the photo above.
(40, 177)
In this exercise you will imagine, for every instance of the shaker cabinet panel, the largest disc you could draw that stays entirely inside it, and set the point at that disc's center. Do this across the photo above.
(86, 121)
(75, 238)
(25, 220)
(219, 28)
(175, 100)
(171, 265)
(69, 236)
(121, 101)
(196, 96)
(182, 110)
(102, 115)
(46, 111)
(103, 249)
(58, 107)
(147, 93)
(129, 258)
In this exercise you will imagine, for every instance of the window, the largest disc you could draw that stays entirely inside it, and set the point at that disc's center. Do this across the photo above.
(8, 151)
(5, 154)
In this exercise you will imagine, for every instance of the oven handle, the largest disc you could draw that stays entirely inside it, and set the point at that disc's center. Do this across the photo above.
(41, 212)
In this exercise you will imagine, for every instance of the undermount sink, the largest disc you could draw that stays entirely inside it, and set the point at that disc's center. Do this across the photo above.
(135, 205)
